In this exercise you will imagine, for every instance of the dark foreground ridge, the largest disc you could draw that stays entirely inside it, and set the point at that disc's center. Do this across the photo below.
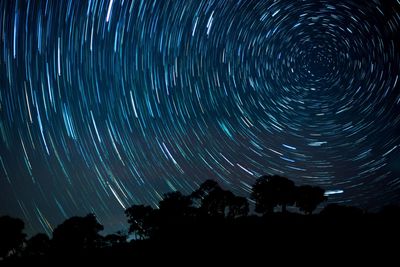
(214, 224)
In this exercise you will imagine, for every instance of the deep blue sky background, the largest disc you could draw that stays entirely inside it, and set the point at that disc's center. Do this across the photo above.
(105, 104)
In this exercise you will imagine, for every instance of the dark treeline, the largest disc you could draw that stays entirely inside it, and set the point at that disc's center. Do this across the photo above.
(213, 223)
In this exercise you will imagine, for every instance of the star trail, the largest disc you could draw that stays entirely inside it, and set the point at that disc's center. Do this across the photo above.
(105, 104)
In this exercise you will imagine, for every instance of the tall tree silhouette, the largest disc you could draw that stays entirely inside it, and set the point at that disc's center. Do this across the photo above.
(11, 235)
(271, 191)
(140, 219)
(77, 233)
(309, 197)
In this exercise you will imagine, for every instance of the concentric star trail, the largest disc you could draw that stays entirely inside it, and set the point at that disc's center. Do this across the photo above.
(105, 104)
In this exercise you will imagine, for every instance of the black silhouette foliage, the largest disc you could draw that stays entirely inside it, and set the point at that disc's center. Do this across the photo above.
(38, 245)
(209, 223)
(11, 236)
(140, 219)
(271, 191)
(309, 197)
(77, 233)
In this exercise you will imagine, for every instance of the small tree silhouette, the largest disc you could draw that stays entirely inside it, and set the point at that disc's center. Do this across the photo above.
(217, 202)
(204, 189)
(140, 220)
(175, 204)
(11, 236)
(209, 198)
(77, 233)
(309, 197)
(271, 191)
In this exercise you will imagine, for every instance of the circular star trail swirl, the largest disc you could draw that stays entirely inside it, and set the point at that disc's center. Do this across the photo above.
(105, 104)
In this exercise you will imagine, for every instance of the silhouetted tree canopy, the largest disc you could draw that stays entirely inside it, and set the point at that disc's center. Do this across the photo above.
(209, 220)
(309, 197)
(217, 202)
(140, 219)
(204, 189)
(238, 206)
(38, 245)
(77, 233)
(11, 235)
(271, 191)
(175, 204)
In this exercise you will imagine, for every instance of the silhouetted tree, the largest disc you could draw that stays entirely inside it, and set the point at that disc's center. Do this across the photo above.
(309, 197)
(271, 191)
(209, 205)
(204, 189)
(140, 220)
(217, 202)
(77, 233)
(38, 245)
(175, 204)
(11, 236)
(238, 207)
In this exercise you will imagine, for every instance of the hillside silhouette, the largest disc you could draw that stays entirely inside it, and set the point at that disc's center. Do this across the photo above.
(213, 224)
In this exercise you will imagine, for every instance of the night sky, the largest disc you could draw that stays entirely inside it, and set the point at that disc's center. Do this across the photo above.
(105, 104)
